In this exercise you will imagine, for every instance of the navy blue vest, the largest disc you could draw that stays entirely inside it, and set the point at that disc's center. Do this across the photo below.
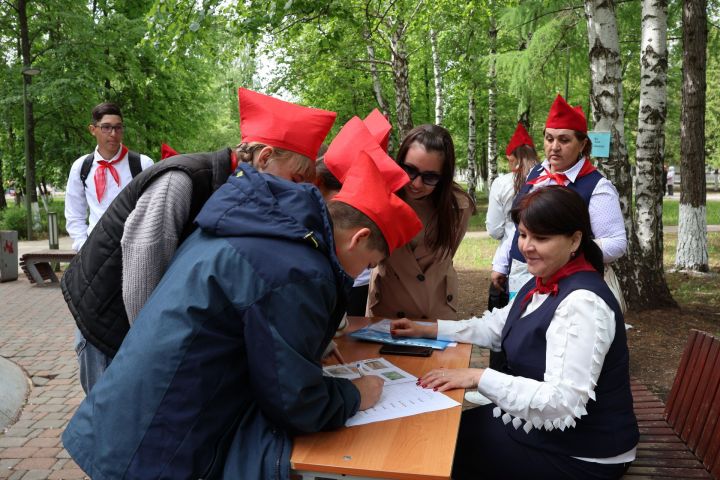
(609, 428)
(583, 185)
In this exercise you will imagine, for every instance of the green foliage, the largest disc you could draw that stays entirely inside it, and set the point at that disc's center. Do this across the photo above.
(13, 218)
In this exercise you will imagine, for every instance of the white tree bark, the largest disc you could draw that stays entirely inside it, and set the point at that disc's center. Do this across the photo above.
(377, 86)
(650, 154)
(492, 147)
(472, 145)
(606, 96)
(691, 251)
(400, 77)
(437, 72)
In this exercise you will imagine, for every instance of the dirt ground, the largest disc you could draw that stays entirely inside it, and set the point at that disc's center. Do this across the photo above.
(656, 339)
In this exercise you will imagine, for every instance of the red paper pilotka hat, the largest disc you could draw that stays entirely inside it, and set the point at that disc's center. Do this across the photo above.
(166, 151)
(562, 115)
(354, 138)
(520, 137)
(379, 128)
(366, 190)
(281, 124)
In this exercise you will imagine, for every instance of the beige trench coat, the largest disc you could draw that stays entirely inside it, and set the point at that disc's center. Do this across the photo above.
(412, 282)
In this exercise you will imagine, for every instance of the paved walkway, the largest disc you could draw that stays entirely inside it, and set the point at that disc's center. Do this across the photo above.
(36, 333)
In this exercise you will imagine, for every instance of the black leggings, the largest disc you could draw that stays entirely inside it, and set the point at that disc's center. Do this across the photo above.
(485, 450)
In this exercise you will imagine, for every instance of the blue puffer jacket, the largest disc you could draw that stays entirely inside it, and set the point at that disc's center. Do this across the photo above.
(222, 366)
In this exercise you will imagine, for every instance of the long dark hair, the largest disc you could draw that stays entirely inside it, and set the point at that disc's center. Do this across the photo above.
(441, 234)
(558, 210)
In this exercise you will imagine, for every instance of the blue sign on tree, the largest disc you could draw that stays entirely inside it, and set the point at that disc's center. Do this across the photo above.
(600, 144)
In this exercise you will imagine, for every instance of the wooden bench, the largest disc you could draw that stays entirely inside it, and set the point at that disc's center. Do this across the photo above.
(37, 265)
(682, 439)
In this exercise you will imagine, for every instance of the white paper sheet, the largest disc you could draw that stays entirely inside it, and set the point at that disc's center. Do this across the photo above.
(401, 397)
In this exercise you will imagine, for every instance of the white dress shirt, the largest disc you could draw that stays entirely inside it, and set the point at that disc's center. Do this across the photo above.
(606, 220)
(578, 338)
(78, 199)
(498, 223)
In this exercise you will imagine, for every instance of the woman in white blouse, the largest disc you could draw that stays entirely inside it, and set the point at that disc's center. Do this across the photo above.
(567, 162)
(562, 406)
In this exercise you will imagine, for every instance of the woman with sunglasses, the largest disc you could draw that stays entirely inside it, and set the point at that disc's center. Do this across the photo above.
(418, 280)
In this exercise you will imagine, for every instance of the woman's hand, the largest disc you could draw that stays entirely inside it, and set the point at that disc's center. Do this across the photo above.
(370, 388)
(407, 328)
(498, 280)
(448, 379)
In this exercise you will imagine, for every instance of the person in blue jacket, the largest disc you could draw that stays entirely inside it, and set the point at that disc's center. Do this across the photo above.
(223, 364)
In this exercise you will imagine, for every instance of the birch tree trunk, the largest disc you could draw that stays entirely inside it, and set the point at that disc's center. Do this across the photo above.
(650, 155)
(606, 99)
(492, 105)
(377, 86)
(400, 77)
(692, 251)
(471, 146)
(438, 78)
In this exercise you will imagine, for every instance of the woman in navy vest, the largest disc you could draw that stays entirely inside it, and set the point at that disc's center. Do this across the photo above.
(561, 408)
(567, 162)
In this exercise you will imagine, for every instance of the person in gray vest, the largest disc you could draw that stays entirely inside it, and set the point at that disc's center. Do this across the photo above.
(138, 236)
(96, 179)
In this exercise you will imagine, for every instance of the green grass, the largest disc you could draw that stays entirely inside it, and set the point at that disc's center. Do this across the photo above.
(475, 253)
(670, 213)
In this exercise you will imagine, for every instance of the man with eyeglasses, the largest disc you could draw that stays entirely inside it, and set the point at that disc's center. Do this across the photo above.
(96, 179)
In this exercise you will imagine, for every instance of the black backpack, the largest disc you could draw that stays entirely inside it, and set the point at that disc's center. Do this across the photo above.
(133, 159)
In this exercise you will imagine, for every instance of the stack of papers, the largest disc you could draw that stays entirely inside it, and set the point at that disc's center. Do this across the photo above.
(380, 332)
(401, 397)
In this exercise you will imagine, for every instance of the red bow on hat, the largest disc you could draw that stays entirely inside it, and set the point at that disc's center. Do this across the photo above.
(101, 173)
(365, 189)
(346, 147)
(167, 151)
(281, 124)
(562, 115)
(520, 137)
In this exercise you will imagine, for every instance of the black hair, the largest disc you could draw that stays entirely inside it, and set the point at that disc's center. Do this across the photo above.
(558, 210)
(106, 108)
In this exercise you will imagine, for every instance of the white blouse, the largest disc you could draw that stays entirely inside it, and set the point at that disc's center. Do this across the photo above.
(578, 338)
(606, 220)
(498, 222)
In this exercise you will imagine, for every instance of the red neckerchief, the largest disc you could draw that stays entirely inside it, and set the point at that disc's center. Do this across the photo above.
(100, 173)
(561, 177)
(577, 264)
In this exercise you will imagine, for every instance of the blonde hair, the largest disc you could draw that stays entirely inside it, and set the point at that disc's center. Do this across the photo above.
(299, 164)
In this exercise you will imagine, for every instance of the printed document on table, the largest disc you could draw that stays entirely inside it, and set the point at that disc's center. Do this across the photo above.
(401, 397)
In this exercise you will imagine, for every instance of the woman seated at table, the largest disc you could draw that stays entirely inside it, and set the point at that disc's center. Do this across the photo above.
(562, 408)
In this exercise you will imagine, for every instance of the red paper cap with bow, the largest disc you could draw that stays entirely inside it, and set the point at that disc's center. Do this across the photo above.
(166, 151)
(345, 150)
(379, 128)
(520, 137)
(366, 190)
(281, 124)
(562, 115)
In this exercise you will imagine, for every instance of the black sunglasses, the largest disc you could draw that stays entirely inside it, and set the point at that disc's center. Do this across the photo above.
(428, 178)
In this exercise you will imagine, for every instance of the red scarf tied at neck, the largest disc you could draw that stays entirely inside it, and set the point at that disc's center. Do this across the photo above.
(101, 174)
(577, 264)
(561, 177)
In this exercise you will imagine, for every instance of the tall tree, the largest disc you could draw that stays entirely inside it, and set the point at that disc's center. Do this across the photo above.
(650, 155)
(492, 106)
(437, 74)
(692, 251)
(471, 144)
(606, 96)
